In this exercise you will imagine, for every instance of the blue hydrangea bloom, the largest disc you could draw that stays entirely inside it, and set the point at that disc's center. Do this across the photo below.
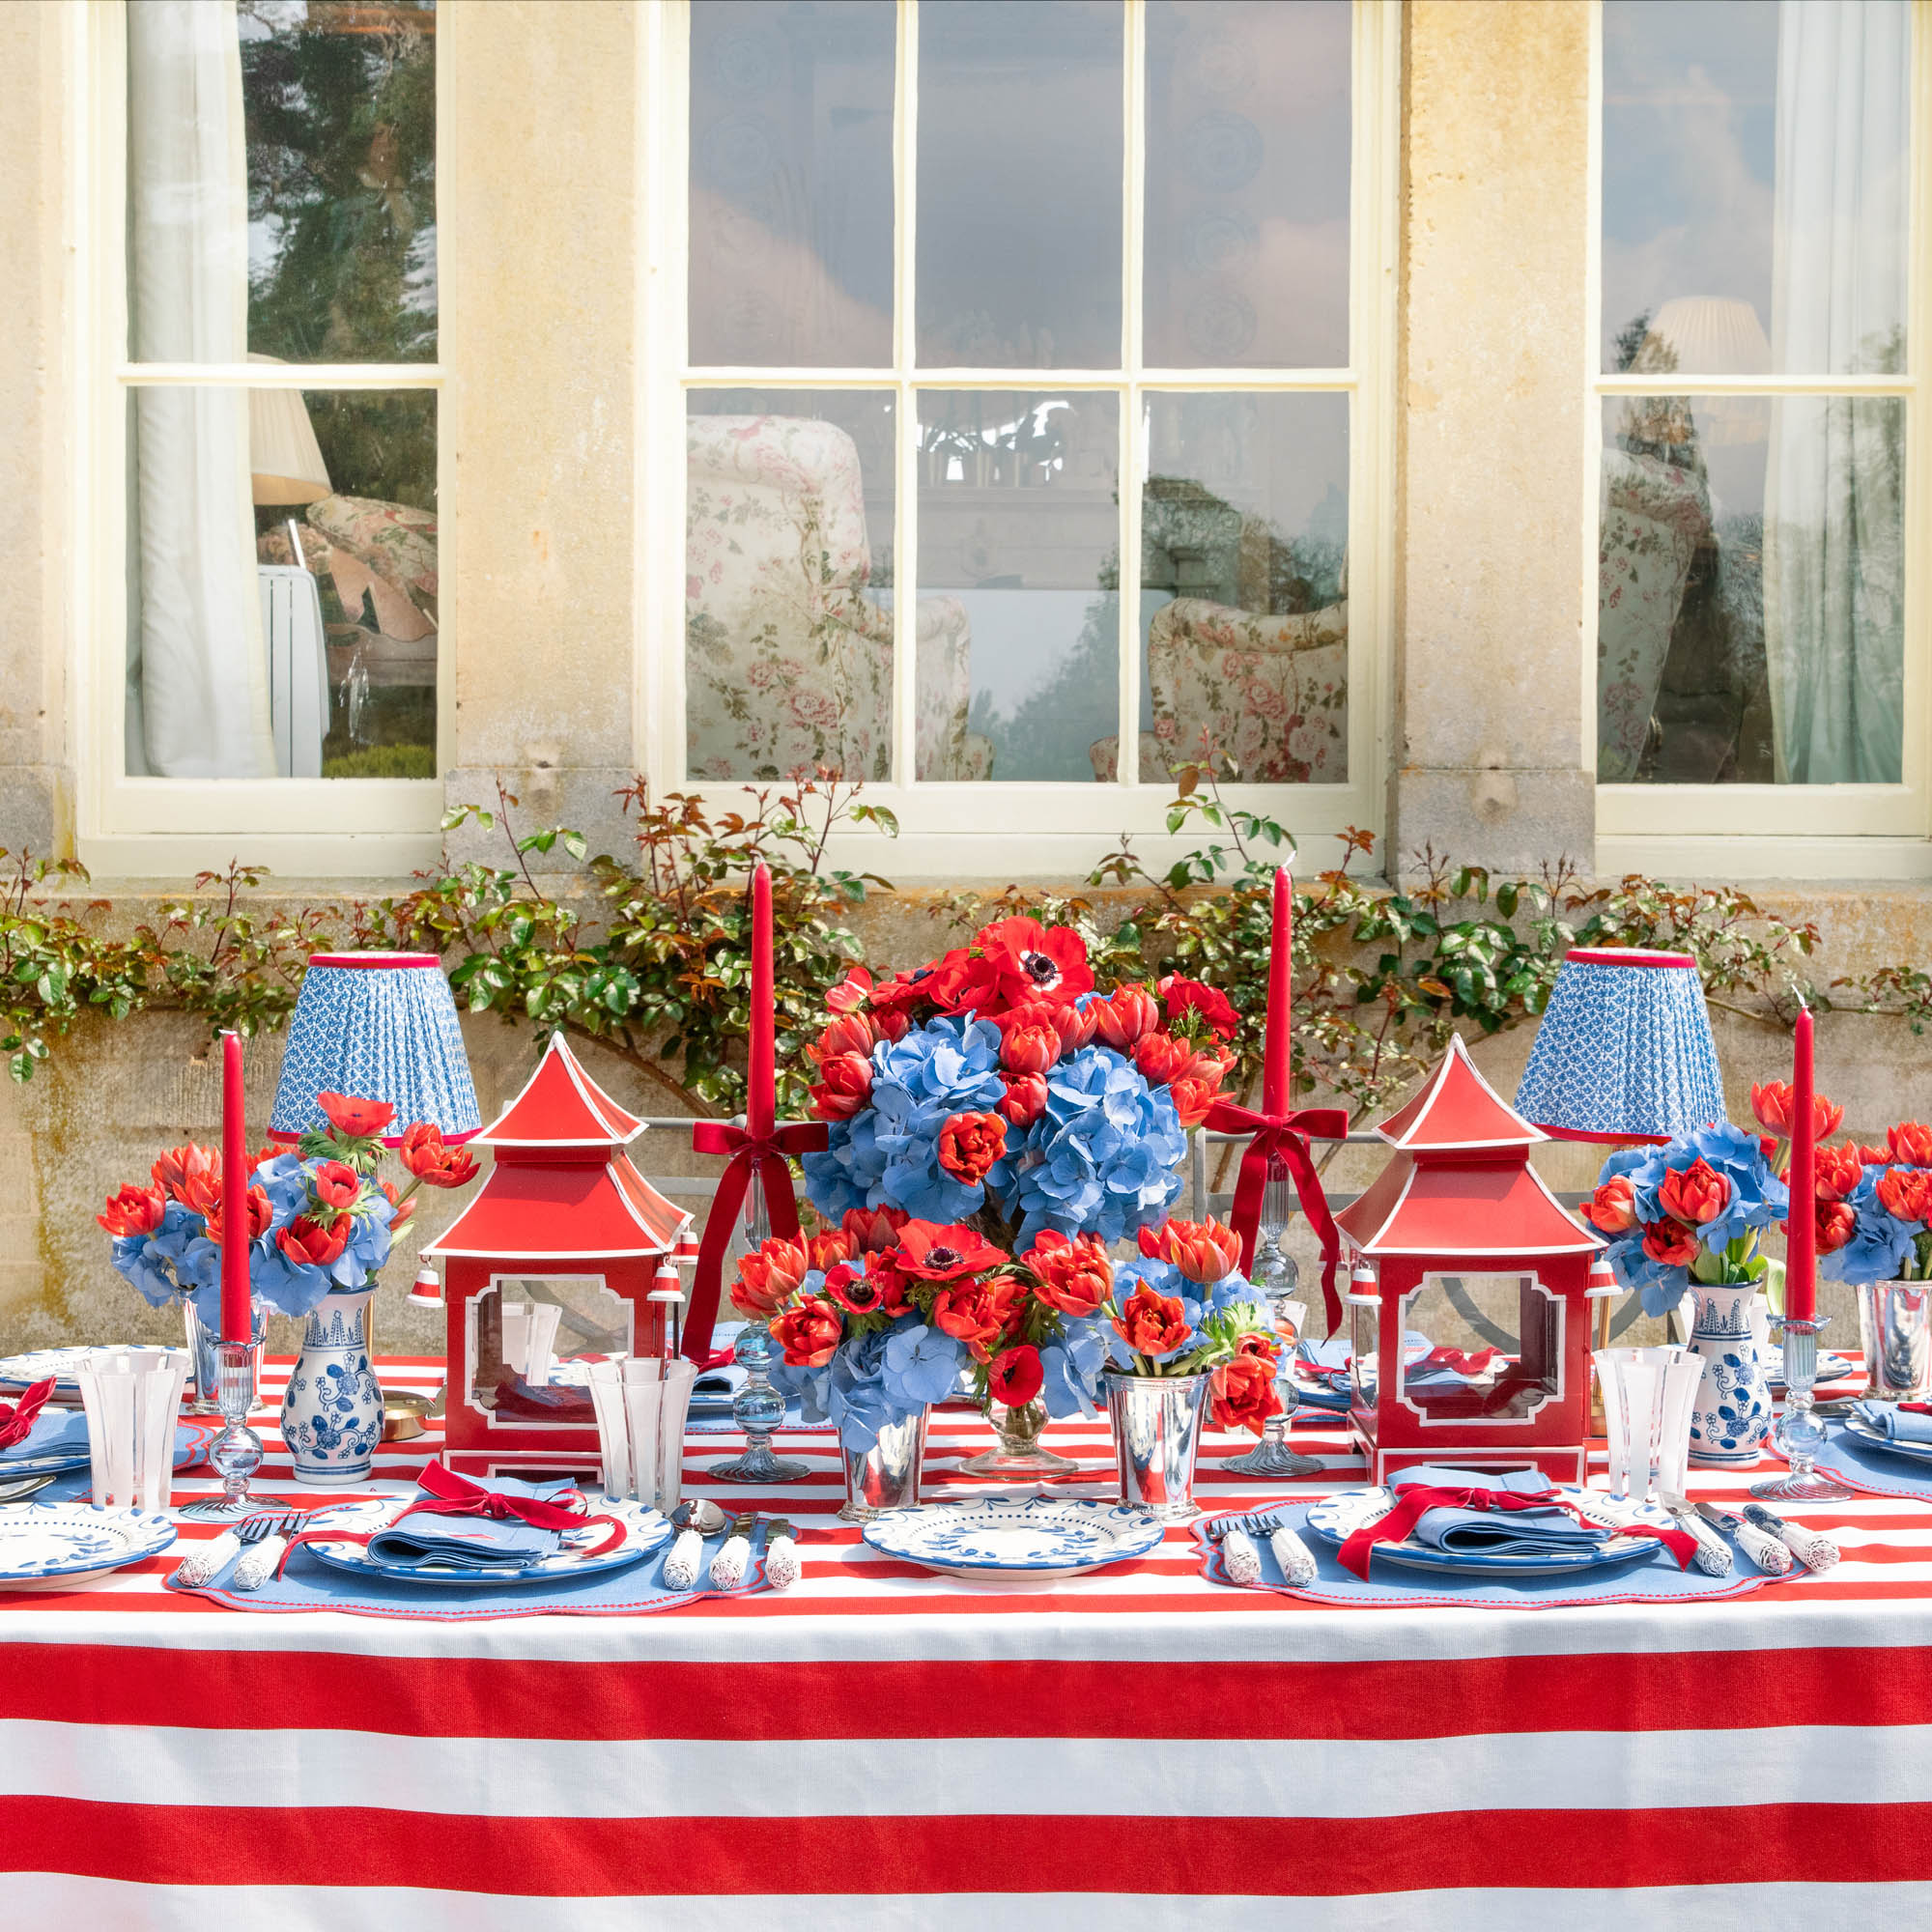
(1102, 1156)
(1757, 1199)
(1071, 1368)
(921, 1366)
(1878, 1245)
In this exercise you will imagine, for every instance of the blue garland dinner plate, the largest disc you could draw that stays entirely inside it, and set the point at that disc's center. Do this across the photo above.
(1336, 1518)
(18, 1372)
(1869, 1432)
(54, 1545)
(1002, 1539)
(645, 1530)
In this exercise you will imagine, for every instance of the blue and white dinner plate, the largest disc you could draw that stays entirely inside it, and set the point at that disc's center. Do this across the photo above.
(1008, 1539)
(55, 1546)
(18, 1372)
(645, 1530)
(1870, 1432)
(191, 1445)
(1336, 1518)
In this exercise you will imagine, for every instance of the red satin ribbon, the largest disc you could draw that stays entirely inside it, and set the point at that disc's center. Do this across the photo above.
(451, 1494)
(16, 1418)
(1456, 1360)
(772, 1156)
(1287, 1135)
(1414, 1502)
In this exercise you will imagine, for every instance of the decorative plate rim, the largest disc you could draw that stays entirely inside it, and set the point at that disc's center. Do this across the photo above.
(1419, 1556)
(1141, 1533)
(1875, 1437)
(159, 1528)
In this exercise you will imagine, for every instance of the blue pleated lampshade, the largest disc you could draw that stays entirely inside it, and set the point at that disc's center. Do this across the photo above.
(1624, 1051)
(379, 1026)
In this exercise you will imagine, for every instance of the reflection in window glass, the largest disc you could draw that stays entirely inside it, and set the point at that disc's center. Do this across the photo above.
(1749, 623)
(281, 175)
(1244, 534)
(1020, 146)
(1247, 184)
(1755, 186)
(1019, 549)
(282, 595)
(788, 572)
(792, 181)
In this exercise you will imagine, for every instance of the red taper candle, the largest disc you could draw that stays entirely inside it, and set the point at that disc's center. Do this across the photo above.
(1276, 1050)
(235, 1314)
(760, 1100)
(1801, 1228)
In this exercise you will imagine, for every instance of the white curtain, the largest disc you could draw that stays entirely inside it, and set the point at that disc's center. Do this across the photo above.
(1833, 565)
(198, 685)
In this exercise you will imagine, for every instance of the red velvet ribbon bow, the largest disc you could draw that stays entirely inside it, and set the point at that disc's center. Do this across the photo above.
(1286, 1135)
(451, 1494)
(1414, 1502)
(16, 1418)
(771, 1155)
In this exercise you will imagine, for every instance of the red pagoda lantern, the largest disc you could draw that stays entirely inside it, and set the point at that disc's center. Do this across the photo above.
(561, 1222)
(1466, 1241)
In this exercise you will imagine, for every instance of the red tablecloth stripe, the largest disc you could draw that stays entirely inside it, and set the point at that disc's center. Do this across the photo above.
(162, 1844)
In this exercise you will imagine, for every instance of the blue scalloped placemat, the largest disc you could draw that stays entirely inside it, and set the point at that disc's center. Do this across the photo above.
(192, 1436)
(311, 1584)
(1658, 1582)
(1878, 1472)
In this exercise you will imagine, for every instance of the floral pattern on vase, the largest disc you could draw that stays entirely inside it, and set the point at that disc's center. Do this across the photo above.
(332, 1409)
(1731, 1412)
(788, 656)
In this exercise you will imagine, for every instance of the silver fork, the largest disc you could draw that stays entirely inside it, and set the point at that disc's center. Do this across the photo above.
(263, 1557)
(1263, 1526)
(204, 1563)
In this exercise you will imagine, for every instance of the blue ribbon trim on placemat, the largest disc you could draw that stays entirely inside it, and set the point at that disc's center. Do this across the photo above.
(1658, 1582)
(310, 1585)
(1878, 1472)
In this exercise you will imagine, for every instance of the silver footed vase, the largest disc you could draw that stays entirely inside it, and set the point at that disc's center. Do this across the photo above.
(885, 1476)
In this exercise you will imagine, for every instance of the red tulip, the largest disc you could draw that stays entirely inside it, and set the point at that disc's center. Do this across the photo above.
(1152, 1324)
(1073, 1277)
(1076, 1025)
(845, 1085)
(808, 1333)
(769, 1277)
(1017, 1375)
(1911, 1142)
(874, 1229)
(357, 1117)
(970, 1144)
(312, 1243)
(177, 1166)
(431, 1160)
(1203, 1251)
(1192, 1097)
(1612, 1209)
(1191, 997)
(1123, 1019)
(1029, 1049)
(1162, 1057)
(1025, 1098)
(400, 1210)
(1695, 1194)
(1242, 1394)
(133, 1210)
(979, 1313)
(1837, 1172)
(1837, 1221)
(1670, 1243)
(849, 1033)
(830, 1247)
(1905, 1193)
(1772, 1104)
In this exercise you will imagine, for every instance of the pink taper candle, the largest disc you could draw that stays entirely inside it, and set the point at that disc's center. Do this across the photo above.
(760, 1105)
(236, 1319)
(1275, 1044)
(1801, 1257)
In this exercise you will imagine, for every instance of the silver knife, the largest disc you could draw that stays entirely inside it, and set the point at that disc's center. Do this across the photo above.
(1763, 1549)
(1714, 1553)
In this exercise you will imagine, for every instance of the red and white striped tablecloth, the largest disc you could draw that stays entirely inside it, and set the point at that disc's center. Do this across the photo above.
(881, 1749)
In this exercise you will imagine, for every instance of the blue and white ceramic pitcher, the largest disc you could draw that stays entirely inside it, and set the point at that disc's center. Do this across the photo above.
(332, 1410)
(1732, 1412)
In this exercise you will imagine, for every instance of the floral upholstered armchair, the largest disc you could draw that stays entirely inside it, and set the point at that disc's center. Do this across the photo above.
(1655, 516)
(1268, 693)
(788, 660)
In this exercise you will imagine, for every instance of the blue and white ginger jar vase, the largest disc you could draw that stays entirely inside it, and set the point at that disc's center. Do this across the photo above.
(1731, 1416)
(332, 1409)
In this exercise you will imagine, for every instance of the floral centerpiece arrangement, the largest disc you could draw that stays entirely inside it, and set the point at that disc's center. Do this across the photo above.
(998, 1088)
(883, 1316)
(318, 1218)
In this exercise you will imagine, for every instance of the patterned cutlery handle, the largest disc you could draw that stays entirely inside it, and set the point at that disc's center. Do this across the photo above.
(259, 1562)
(1766, 1551)
(727, 1567)
(685, 1554)
(204, 1563)
(1240, 1557)
(781, 1565)
(1297, 1560)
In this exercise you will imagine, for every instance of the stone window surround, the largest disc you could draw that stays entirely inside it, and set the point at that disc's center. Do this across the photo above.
(543, 417)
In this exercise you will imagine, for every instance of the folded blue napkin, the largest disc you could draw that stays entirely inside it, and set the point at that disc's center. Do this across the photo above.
(1899, 1425)
(1474, 1532)
(55, 1431)
(473, 1542)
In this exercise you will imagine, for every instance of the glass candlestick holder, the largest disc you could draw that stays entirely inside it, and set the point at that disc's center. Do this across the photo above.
(236, 1454)
(1277, 1275)
(1800, 1437)
(757, 1408)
